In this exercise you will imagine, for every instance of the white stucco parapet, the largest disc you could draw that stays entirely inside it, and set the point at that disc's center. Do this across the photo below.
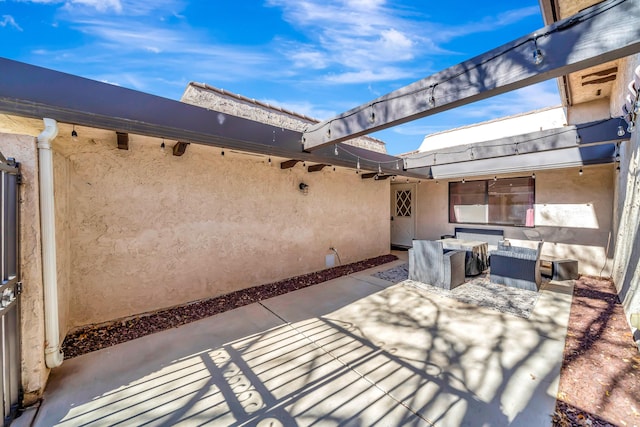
(533, 121)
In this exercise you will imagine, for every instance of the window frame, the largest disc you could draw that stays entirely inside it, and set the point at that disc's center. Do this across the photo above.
(486, 199)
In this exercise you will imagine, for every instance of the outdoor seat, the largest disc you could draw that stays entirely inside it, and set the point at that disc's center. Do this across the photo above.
(515, 266)
(429, 263)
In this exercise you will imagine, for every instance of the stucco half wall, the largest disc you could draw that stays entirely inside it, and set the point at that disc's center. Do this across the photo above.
(148, 230)
(573, 215)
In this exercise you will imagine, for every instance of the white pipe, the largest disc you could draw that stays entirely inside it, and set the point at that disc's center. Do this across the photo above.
(53, 354)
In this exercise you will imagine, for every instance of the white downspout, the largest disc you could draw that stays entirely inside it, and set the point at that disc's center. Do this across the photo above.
(53, 354)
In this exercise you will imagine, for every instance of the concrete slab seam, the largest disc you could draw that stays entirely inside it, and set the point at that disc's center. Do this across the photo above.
(346, 365)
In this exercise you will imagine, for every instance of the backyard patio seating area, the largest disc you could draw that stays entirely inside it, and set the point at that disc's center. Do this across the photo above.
(357, 350)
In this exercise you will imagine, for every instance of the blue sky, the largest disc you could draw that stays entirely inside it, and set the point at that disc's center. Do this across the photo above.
(316, 57)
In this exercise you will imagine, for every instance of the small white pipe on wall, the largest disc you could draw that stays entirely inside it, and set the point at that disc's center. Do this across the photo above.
(52, 352)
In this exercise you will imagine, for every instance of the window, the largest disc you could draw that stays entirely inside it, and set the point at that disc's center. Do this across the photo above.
(507, 201)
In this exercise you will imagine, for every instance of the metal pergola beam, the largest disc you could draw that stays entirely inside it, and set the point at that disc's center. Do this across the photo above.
(36, 92)
(604, 32)
(582, 135)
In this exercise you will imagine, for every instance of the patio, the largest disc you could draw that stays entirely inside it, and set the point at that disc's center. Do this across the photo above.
(356, 350)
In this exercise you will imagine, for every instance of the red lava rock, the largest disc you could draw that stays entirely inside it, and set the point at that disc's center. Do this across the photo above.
(600, 375)
(92, 338)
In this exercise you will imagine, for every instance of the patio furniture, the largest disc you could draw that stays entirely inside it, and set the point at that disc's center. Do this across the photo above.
(430, 263)
(561, 268)
(517, 267)
(476, 257)
(490, 235)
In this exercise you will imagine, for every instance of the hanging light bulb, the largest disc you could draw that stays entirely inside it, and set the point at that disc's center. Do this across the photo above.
(432, 98)
(538, 57)
(632, 127)
(269, 161)
(397, 164)
(74, 134)
(578, 139)
(463, 181)
(580, 172)
(335, 150)
(533, 175)
(163, 147)
(379, 169)
(495, 178)
(222, 152)
(358, 163)
(621, 131)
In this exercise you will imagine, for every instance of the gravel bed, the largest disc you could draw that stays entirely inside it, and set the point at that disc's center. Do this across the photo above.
(96, 337)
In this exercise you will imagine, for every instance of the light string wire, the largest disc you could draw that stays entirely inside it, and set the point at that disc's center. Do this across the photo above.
(518, 143)
(564, 26)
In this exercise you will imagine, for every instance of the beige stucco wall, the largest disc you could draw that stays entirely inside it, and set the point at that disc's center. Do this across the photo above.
(626, 270)
(34, 371)
(148, 230)
(573, 215)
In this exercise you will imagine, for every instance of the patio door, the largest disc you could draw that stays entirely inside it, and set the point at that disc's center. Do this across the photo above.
(402, 214)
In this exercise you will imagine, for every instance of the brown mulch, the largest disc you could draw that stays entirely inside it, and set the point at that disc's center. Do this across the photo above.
(96, 337)
(600, 376)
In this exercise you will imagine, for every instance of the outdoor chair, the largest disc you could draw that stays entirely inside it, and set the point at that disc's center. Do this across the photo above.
(429, 263)
(515, 266)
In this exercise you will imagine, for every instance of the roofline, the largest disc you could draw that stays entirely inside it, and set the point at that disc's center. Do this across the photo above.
(36, 92)
(262, 104)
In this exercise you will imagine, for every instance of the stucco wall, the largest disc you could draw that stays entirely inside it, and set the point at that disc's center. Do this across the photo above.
(573, 215)
(149, 230)
(626, 271)
(34, 371)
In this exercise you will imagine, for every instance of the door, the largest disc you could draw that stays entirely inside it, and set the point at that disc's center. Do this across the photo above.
(402, 214)
(10, 288)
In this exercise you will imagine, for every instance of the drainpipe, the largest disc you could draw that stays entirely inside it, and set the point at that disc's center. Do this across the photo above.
(53, 354)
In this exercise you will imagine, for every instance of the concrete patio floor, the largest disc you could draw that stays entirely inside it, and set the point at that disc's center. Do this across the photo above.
(356, 350)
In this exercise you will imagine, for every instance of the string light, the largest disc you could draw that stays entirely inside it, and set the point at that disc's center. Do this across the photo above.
(580, 172)
(621, 131)
(335, 150)
(397, 164)
(533, 175)
(538, 57)
(432, 98)
(379, 169)
(358, 164)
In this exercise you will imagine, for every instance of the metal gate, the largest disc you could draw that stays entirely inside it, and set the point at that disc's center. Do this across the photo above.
(10, 290)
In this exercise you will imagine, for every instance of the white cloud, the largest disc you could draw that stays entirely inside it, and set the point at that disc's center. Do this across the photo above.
(99, 5)
(358, 36)
(7, 20)
(383, 74)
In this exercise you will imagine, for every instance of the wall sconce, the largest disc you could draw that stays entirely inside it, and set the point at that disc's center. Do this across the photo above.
(304, 188)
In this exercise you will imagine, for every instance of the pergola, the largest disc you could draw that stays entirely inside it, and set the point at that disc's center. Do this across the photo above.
(604, 32)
